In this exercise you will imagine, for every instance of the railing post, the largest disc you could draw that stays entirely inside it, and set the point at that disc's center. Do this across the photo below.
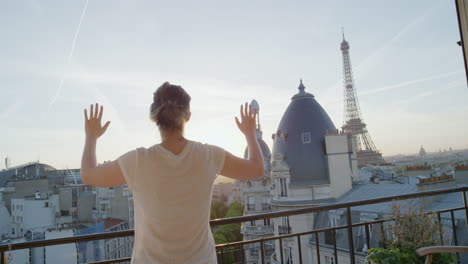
(222, 255)
(262, 251)
(2, 257)
(335, 250)
(281, 250)
(242, 253)
(317, 246)
(440, 229)
(465, 203)
(350, 235)
(382, 230)
(454, 230)
(299, 248)
(367, 236)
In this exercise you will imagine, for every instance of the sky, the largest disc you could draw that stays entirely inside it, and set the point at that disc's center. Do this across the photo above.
(58, 57)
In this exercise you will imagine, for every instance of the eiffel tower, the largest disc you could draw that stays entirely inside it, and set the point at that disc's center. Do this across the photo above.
(367, 153)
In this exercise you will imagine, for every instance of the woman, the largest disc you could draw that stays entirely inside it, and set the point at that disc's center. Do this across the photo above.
(172, 181)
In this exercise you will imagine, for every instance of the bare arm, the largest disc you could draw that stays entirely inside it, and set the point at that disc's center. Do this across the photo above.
(105, 175)
(253, 167)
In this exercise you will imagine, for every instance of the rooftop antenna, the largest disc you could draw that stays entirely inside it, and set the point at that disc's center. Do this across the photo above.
(342, 32)
(7, 163)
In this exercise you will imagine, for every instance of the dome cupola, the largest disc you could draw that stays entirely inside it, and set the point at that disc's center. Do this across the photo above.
(300, 140)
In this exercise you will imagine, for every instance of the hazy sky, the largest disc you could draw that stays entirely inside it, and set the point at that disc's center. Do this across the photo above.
(408, 70)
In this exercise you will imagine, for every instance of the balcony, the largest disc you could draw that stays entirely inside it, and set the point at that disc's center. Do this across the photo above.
(258, 230)
(266, 206)
(284, 230)
(236, 251)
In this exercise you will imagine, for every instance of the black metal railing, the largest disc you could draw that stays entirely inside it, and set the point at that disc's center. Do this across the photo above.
(235, 252)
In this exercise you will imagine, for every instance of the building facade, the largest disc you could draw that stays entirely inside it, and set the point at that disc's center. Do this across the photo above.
(256, 198)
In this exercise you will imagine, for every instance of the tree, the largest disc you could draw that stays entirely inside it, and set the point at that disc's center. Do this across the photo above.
(231, 232)
(218, 210)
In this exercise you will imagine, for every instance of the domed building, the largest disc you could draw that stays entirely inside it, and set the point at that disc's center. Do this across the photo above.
(299, 140)
(256, 198)
(312, 164)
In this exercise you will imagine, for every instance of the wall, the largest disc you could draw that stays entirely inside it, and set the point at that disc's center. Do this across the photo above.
(65, 199)
(86, 202)
(461, 176)
(429, 186)
(413, 173)
(339, 164)
(58, 254)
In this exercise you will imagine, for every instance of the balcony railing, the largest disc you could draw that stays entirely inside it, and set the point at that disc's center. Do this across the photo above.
(258, 230)
(235, 250)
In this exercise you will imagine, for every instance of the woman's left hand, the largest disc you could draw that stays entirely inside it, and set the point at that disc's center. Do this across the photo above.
(93, 126)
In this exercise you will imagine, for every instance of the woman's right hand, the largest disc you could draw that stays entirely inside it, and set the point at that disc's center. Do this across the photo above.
(248, 118)
(253, 166)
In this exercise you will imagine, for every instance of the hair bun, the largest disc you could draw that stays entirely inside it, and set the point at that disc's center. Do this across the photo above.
(170, 107)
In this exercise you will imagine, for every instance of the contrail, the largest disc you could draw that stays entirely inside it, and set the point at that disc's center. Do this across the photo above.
(401, 84)
(69, 56)
(369, 62)
(451, 85)
(406, 83)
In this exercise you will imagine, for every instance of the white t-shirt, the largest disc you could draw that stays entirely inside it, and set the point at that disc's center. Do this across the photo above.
(172, 199)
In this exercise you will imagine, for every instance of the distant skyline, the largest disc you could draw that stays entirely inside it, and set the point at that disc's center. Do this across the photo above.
(407, 66)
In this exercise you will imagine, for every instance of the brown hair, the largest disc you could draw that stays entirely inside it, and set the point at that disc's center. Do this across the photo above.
(170, 107)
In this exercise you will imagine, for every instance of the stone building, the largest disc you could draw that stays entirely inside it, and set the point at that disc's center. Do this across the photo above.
(312, 164)
(256, 199)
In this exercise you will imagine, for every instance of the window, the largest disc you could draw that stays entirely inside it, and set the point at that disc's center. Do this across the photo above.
(266, 202)
(329, 260)
(46, 204)
(284, 228)
(254, 252)
(283, 187)
(252, 223)
(306, 138)
(266, 222)
(250, 203)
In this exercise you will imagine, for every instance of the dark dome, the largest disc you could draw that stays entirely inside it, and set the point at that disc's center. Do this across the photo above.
(300, 139)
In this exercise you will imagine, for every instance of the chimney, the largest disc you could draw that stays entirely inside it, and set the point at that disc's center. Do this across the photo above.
(434, 183)
(461, 173)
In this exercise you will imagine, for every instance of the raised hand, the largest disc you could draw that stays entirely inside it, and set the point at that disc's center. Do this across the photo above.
(248, 117)
(93, 126)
